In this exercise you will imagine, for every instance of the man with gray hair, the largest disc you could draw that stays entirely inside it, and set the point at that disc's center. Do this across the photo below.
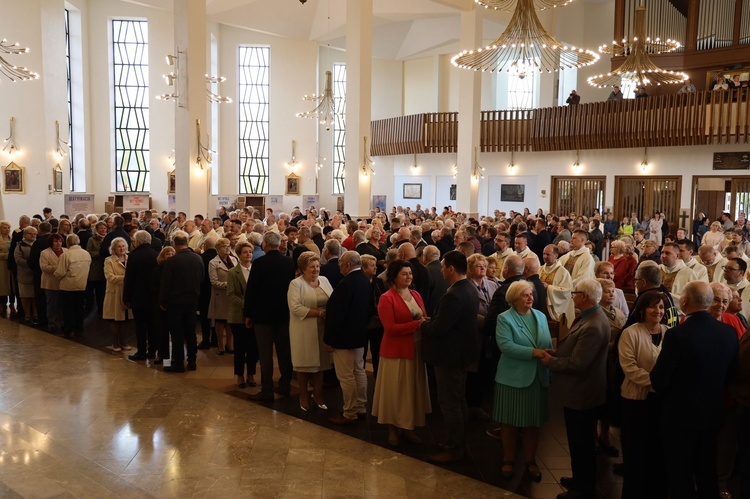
(580, 368)
(697, 359)
(136, 294)
(267, 310)
(330, 270)
(73, 272)
(346, 336)
(437, 283)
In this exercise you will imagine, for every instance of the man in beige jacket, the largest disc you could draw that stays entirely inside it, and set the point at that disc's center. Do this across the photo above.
(73, 272)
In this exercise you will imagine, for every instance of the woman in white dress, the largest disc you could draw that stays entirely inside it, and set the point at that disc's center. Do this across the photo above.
(307, 297)
(654, 227)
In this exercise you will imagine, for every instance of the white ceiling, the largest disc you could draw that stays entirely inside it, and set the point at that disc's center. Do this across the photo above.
(402, 29)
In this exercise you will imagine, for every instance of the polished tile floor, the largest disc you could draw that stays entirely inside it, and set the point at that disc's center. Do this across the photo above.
(79, 420)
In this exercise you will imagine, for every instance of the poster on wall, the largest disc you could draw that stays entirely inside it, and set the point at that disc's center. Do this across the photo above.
(79, 203)
(310, 200)
(453, 192)
(135, 202)
(412, 191)
(379, 201)
(276, 203)
(172, 202)
(512, 193)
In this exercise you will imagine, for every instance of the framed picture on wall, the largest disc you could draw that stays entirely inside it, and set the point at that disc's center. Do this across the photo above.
(512, 193)
(292, 185)
(379, 201)
(13, 179)
(57, 178)
(453, 192)
(412, 191)
(171, 182)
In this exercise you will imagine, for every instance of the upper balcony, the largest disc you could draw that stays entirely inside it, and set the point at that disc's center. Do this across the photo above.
(720, 117)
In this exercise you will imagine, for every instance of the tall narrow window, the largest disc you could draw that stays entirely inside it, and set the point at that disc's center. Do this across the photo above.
(71, 164)
(130, 64)
(521, 90)
(339, 127)
(254, 118)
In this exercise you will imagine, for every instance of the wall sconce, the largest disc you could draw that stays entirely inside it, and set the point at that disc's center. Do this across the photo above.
(212, 97)
(366, 160)
(293, 163)
(644, 163)
(204, 153)
(577, 165)
(14, 72)
(59, 152)
(172, 78)
(476, 173)
(414, 165)
(10, 143)
(512, 165)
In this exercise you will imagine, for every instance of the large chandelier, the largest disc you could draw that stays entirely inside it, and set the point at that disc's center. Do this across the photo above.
(525, 46)
(325, 111)
(14, 72)
(510, 5)
(638, 66)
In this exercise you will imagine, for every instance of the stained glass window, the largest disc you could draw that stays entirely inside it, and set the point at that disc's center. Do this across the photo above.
(130, 64)
(71, 165)
(339, 127)
(253, 105)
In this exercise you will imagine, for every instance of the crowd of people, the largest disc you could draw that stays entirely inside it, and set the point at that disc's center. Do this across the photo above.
(649, 324)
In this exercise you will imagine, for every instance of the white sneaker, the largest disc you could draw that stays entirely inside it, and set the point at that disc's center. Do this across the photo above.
(116, 348)
(126, 348)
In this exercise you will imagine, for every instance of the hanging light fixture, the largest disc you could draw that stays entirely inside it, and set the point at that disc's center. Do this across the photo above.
(204, 153)
(638, 66)
(476, 172)
(10, 143)
(59, 151)
(510, 5)
(366, 160)
(523, 47)
(293, 163)
(414, 165)
(577, 165)
(511, 165)
(14, 72)
(644, 163)
(326, 109)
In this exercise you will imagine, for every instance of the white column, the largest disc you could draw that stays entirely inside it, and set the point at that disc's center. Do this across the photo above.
(469, 100)
(190, 38)
(358, 104)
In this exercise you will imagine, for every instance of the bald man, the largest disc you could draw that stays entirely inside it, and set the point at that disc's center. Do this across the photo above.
(578, 261)
(713, 262)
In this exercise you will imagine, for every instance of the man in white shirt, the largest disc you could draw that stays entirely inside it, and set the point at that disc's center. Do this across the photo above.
(559, 284)
(675, 275)
(194, 235)
(687, 250)
(206, 231)
(578, 261)
(734, 276)
(713, 262)
(502, 250)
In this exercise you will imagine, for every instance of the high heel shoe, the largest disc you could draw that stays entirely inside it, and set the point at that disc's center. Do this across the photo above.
(320, 406)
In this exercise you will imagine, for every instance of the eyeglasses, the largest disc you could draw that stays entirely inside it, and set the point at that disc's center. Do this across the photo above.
(731, 268)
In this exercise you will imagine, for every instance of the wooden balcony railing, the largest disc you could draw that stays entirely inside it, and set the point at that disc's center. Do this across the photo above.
(666, 120)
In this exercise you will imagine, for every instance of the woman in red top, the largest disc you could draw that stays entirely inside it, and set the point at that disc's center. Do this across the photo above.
(401, 397)
(624, 264)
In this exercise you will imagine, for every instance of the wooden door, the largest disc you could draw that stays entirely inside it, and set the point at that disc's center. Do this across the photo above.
(647, 195)
(579, 195)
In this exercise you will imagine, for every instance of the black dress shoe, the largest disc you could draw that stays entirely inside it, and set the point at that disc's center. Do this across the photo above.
(282, 392)
(568, 482)
(262, 397)
(137, 356)
(192, 366)
(174, 369)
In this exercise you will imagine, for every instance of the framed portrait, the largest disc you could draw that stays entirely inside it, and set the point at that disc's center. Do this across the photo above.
(57, 178)
(412, 191)
(379, 201)
(512, 193)
(453, 192)
(14, 181)
(292, 185)
(171, 182)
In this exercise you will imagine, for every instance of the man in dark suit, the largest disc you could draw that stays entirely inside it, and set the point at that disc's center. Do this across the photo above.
(136, 294)
(697, 359)
(346, 335)
(531, 274)
(331, 270)
(180, 287)
(438, 284)
(421, 282)
(117, 231)
(84, 231)
(208, 334)
(449, 344)
(267, 309)
(446, 243)
(542, 238)
(580, 370)
(41, 244)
